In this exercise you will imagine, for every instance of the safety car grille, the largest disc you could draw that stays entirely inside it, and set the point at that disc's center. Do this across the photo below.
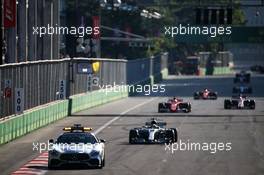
(74, 156)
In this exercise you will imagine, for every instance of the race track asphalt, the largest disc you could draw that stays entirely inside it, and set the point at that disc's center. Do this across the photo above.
(208, 123)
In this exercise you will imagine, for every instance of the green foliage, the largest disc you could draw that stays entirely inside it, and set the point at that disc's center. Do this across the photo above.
(177, 12)
(238, 17)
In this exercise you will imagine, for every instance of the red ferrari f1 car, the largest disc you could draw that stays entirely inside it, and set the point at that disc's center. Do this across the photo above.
(206, 94)
(175, 105)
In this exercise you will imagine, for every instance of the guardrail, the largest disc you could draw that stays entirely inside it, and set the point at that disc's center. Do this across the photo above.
(218, 71)
(16, 126)
(41, 82)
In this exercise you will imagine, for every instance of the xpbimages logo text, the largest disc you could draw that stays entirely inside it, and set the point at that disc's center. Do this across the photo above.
(212, 31)
(212, 147)
(146, 89)
(62, 30)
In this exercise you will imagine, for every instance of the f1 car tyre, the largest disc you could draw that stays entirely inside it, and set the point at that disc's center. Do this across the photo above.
(213, 96)
(186, 107)
(175, 134)
(132, 134)
(170, 135)
(160, 107)
(189, 108)
(227, 104)
(252, 104)
(163, 107)
(196, 96)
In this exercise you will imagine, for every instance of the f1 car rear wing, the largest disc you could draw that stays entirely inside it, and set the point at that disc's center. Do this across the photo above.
(177, 99)
(158, 122)
(238, 96)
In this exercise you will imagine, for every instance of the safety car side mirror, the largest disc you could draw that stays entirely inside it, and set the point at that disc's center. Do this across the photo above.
(102, 140)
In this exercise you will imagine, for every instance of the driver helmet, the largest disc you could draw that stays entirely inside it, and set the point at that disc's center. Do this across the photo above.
(153, 122)
(174, 98)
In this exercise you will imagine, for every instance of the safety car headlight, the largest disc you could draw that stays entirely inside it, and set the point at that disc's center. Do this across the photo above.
(94, 153)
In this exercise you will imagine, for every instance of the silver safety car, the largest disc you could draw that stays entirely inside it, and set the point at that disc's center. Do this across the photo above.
(77, 145)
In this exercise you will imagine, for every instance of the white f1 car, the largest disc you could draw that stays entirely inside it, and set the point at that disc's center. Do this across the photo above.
(154, 131)
(239, 102)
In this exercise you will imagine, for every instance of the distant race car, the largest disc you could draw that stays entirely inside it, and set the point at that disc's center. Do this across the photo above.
(239, 102)
(242, 77)
(154, 131)
(174, 105)
(242, 89)
(77, 145)
(205, 94)
(257, 68)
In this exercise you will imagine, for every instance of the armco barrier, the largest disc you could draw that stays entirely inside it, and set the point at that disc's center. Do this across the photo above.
(41, 80)
(95, 98)
(19, 125)
(218, 71)
(222, 70)
(22, 124)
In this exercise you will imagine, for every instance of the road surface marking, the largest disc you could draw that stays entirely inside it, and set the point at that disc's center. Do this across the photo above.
(123, 113)
(36, 166)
